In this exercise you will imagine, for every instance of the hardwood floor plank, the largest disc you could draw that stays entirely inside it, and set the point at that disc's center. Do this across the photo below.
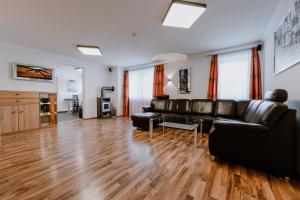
(109, 159)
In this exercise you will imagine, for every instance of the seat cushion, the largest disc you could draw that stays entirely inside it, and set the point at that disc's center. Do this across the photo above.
(226, 108)
(141, 120)
(202, 107)
(146, 115)
(176, 118)
(207, 118)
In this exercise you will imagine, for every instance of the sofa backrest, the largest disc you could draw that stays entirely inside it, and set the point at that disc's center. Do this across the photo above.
(202, 107)
(180, 106)
(268, 111)
(226, 108)
(241, 107)
(159, 105)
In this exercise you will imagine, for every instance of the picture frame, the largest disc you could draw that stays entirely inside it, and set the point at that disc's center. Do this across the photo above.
(287, 41)
(72, 86)
(184, 80)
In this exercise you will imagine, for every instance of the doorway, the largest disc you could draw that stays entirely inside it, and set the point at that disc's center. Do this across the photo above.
(69, 93)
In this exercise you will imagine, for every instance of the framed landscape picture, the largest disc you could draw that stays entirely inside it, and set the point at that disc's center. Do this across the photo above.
(287, 41)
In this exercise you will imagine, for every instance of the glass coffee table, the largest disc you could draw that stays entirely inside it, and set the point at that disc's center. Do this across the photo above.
(165, 122)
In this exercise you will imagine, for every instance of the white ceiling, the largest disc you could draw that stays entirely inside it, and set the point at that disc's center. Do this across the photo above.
(57, 25)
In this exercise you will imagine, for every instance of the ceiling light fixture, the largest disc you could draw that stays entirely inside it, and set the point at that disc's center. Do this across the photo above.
(183, 14)
(79, 69)
(89, 50)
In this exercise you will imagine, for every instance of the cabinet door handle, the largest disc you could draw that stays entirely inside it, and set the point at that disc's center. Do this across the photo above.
(17, 94)
(17, 101)
(13, 112)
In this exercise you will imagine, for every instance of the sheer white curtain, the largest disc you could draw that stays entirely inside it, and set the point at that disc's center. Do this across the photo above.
(234, 75)
(140, 88)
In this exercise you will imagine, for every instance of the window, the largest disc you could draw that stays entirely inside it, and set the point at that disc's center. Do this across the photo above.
(234, 75)
(140, 88)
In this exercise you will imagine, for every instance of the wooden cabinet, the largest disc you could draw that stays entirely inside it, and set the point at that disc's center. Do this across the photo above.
(29, 117)
(9, 120)
(20, 111)
(18, 95)
(48, 109)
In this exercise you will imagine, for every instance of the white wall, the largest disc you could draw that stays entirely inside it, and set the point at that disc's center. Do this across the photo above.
(200, 66)
(94, 76)
(289, 79)
(119, 93)
(64, 74)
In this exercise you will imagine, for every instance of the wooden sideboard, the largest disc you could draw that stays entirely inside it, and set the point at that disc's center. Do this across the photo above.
(21, 111)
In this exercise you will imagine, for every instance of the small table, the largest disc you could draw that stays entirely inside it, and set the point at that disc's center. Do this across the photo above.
(189, 127)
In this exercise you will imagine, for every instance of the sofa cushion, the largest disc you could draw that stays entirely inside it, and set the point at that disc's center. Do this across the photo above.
(226, 108)
(241, 126)
(241, 107)
(202, 107)
(250, 111)
(159, 105)
(271, 112)
(141, 120)
(179, 106)
(144, 116)
(176, 118)
(207, 118)
(266, 112)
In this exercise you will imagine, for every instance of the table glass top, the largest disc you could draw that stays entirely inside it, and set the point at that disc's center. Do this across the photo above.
(178, 126)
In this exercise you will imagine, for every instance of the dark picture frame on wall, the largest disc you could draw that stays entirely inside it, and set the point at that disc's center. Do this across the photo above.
(287, 41)
(184, 80)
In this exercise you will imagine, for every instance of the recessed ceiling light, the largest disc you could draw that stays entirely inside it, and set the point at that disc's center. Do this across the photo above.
(169, 57)
(79, 69)
(183, 14)
(89, 50)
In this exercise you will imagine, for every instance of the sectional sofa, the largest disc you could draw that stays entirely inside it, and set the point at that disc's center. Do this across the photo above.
(258, 133)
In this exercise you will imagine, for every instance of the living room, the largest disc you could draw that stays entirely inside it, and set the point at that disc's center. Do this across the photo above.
(193, 99)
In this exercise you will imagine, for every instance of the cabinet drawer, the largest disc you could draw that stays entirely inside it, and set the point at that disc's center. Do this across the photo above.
(5, 102)
(19, 95)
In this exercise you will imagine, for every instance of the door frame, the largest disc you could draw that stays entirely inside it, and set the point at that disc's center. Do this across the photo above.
(82, 85)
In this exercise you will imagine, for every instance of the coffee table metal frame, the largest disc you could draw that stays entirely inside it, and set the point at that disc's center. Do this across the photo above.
(163, 122)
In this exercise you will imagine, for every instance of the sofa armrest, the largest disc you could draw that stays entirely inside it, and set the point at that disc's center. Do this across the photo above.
(242, 126)
(147, 109)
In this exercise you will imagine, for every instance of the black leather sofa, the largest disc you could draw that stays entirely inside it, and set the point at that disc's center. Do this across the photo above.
(259, 133)
(264, 138)
(187, 111)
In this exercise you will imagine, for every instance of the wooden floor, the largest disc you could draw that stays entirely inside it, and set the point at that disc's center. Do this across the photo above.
(106, 159)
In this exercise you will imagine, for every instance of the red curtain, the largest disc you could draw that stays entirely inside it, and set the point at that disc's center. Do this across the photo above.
(255, 79)
(213, 79)
(158, 83)
(125, 95)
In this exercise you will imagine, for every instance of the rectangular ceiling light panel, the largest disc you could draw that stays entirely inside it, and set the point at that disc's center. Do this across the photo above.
(183, 14)
(89, 50)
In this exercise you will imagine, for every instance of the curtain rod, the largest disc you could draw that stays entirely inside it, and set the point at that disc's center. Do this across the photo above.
(234, 49)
